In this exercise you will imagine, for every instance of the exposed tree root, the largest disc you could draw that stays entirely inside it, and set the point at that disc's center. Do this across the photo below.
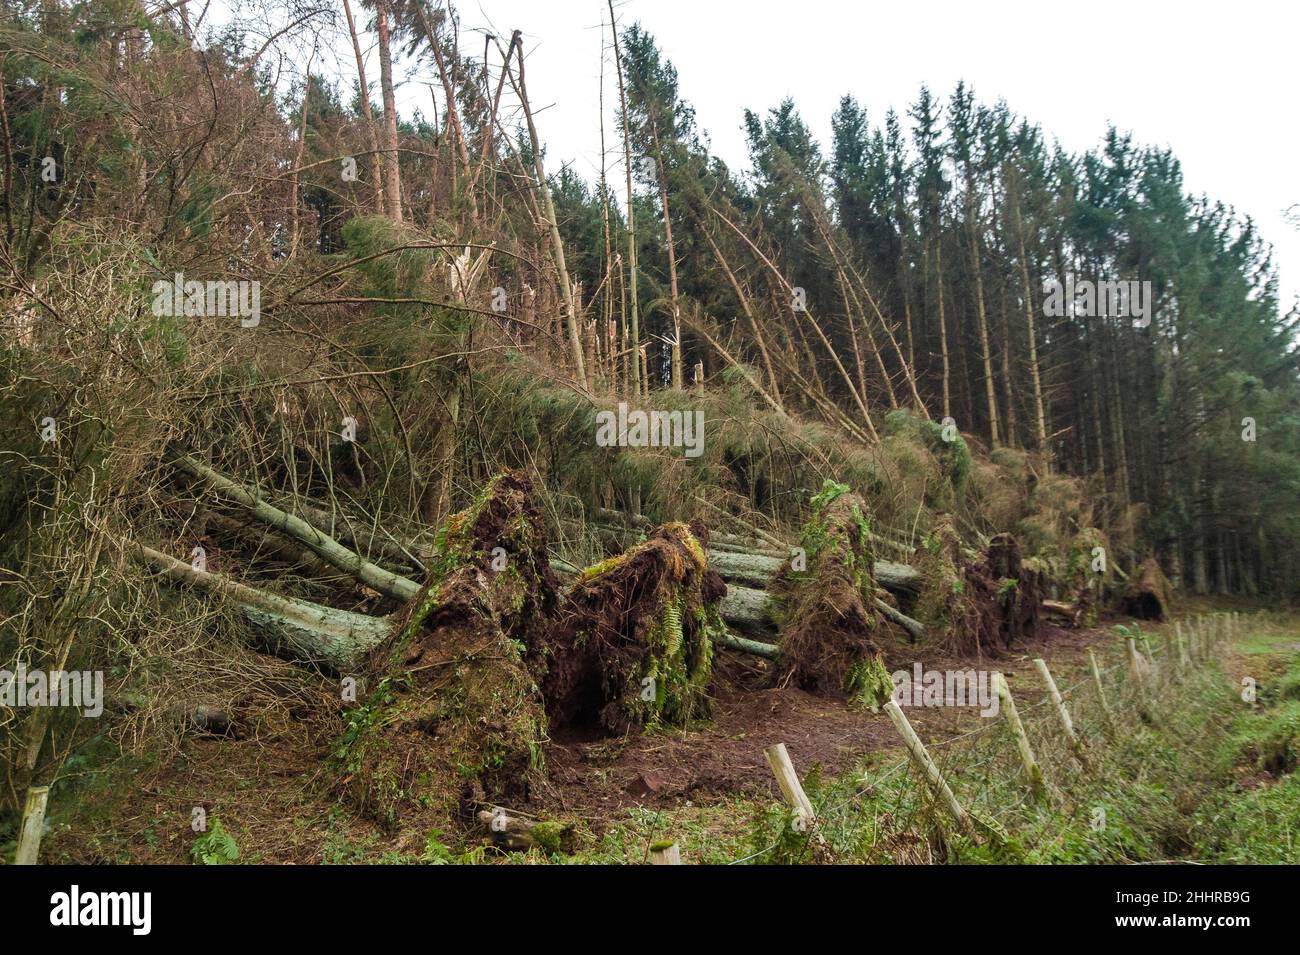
(826, 612)
(456, 712)
(1149, 595)
(980, 602)
(633, 644)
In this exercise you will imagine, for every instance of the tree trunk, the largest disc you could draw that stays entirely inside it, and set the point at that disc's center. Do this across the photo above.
(943, 328)
(393, 177)
(548, 208)
(631, 218)
(672, 262)
(376, 177)
(328, 549)
(1035, 378)
(335, 640)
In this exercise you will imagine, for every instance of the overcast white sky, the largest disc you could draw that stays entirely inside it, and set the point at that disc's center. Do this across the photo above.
(1217, 82)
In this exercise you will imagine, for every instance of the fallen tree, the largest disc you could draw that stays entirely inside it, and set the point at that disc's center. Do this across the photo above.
(633, 642)
(324, 546)
(337, 641)
(826, 612)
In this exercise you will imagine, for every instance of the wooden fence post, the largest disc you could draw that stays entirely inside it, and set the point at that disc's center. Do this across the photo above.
(1149, 656)
(788, 780)
(1184, 661)
(1008, 706)
(665, 853)
(1062, 713)
(921, 757)
(1136, 664)
(33, 825)
(1101, 692)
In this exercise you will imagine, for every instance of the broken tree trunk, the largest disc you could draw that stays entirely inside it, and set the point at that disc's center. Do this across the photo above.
(324, 546)
(306, 632)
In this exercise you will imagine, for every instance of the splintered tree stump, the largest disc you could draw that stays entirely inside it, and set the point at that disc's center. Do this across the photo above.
(633, 642)
(826, 612)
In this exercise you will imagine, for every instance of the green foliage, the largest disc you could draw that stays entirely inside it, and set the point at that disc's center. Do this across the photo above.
(214, 847)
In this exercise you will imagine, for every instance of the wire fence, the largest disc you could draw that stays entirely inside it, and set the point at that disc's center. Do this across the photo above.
(897, 813)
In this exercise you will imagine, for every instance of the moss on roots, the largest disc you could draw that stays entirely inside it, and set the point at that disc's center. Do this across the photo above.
(457, 708)
(633, 642)
(975, 602)
(825, 611)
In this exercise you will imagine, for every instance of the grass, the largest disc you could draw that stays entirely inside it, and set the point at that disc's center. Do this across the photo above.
(1212, 779)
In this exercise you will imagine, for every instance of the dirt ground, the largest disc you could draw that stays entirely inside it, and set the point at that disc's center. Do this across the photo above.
(597, 780)
(272, 792)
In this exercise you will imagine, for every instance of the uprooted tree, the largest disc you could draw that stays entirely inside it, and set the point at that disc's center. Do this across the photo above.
(826, 610)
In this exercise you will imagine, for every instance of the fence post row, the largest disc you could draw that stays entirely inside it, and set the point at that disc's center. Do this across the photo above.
(1201, 638)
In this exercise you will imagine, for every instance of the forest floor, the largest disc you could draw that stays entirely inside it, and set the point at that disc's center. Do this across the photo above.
(273, 792)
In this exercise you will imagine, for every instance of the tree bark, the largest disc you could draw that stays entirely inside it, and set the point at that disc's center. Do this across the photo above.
(376, 177)
(393, 177)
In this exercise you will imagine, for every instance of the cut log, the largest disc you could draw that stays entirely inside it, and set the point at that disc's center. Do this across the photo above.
(1066, 611)
(515, 833)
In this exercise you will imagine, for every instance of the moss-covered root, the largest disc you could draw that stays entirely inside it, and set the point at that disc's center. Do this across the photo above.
(1019, 587)
(456, 708)
(825, 608)
(977, 602)
(1088, 576)
(633, 642)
